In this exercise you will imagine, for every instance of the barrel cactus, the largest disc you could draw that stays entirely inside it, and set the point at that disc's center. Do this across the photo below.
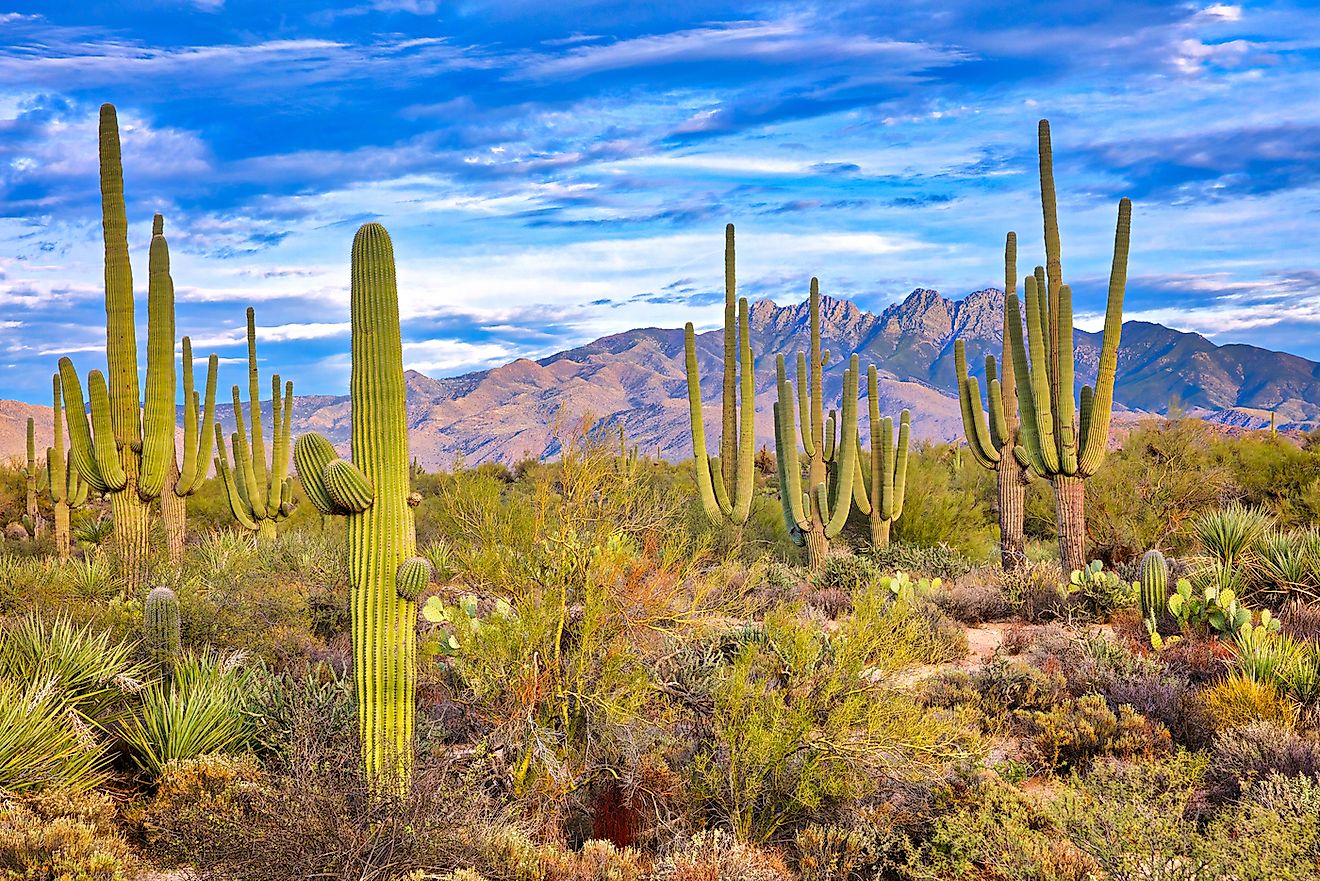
(372, 492)
(259, 496)
(726, 483)
(1059, 440)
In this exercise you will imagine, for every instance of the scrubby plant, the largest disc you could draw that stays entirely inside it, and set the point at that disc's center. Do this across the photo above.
(715, 854)
(129, 454)
(69, 836)
(1054, 443)
(726, 482)
(1077, 731)
(1239, 700)
(993, 441)
(373, 491)
(260, 495)
(40, 745)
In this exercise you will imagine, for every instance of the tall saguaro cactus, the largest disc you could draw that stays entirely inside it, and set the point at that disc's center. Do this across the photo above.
(1060, 440)
(373, 492)
(67, 491)
(881, 498)
(817, 516)
(34, 480)
(259, 496)
(726, 483)
(993, 440)
(127, 454)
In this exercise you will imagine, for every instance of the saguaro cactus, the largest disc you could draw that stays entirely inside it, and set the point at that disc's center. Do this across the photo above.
(129, 454)
(735, 466)
(161, 630)
(1154, 587)
(816, 517)
(259, 496)
(34, 479)
(881, 498)
(992, 441)
(67, 491)
(373, 492)
(1057, 440)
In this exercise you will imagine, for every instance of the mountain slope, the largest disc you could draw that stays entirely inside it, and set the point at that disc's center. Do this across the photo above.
(635, 379)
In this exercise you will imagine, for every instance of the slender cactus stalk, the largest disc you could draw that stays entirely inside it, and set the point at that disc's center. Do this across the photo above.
(882, 498)
(34, 480)
(67, 490)
(259, 497)
(735, 467)
(373, 493)
(1060, 440)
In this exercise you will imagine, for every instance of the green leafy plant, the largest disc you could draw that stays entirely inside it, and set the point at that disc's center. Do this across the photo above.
(41, 746)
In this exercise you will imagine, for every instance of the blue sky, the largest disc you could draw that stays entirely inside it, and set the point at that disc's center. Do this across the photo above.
(554, 172)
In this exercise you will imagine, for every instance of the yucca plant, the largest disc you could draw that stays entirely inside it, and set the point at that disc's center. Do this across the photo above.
(1230, 536)
(1263, 652)
(92, 532)
(86, 670)
(1288, 563)
(92, 578)
(42, 744)
(200, 711)
(226, 551)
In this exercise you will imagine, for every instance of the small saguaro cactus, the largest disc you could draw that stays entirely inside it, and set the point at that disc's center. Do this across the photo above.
(993, 440)
(881, 499)
(1058, 440)
(259, 497)
(67, 490)
(373, 493)
(726, 483)
(1154, 593)
(816, 517)
(127, 455)
(34, 479)
(161, 630)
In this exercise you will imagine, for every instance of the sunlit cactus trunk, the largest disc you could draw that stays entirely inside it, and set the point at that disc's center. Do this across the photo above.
(881, 498)
(32, 480)
(373, 491)
(67, 490)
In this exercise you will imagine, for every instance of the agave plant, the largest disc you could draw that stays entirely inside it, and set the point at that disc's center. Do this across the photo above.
(200, 711)
(86, 670)
(42, 744)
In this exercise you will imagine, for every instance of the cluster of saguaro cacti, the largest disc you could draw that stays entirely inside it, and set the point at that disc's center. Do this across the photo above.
(161, 630)
(734, 467)
(372, 491)
(881, 497)
(1154, 593)
(68, 492)
(992, 441)
(128, 449)
(817, 516)
(259, 496)
(1059, 440)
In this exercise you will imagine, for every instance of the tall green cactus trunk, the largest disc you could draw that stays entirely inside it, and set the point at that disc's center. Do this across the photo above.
(67, 491)
(32, 481)
(1060, 440)
(373, 491)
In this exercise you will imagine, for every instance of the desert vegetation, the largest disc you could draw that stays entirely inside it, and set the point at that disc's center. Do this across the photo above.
(1075, 653)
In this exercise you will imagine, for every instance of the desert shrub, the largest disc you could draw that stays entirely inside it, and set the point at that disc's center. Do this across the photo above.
(285, 708)
(42, 745)
(972, 603)
(828, 601)
(595, 861)
(1199, 658)
(1085, 660)
(192, 794)
(1034, 593)
(1241, 756)
(64, 836)
(996, 833)
(1271, 834)
(1007, 685)
(846, 572)
(1238, 701)
(933, 561)
(1165, 699)
(951, 510)
(1301, 620)
(1077, 731)
(200, 710)
(715, 855)
(836, 853)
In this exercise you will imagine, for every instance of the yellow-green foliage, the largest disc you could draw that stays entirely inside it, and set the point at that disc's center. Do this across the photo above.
(1077, 731)
(62, 837)
(715, 855)
(1239, 700)
(194, 794)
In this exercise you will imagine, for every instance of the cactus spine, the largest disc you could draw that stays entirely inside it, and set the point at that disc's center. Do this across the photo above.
(735, 466)
(162, 634)
(1056, 441)
(373, 492)
(259, 497)
(882, 497)
(34, 479)
(992, 440)
(67, 491)
(1154, 587)
(817, 516)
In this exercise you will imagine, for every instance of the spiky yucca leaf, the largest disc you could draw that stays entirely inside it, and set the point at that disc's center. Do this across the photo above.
(42, 743)
(1230, 536)
(1289, 562)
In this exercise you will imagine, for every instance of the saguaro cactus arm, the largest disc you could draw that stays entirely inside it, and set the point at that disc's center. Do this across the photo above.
(1098, 406)
(197, 437)
(975, 426)
(158, 408)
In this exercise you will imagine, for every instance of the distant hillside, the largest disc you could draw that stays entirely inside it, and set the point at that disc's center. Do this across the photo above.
(636, 379)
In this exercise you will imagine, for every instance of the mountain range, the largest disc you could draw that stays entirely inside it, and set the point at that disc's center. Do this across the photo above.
(635, 380)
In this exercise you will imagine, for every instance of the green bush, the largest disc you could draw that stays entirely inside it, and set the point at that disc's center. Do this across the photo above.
(41, 746)
(1077, 731)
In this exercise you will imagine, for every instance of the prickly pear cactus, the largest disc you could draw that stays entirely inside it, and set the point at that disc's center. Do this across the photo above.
(373, 493)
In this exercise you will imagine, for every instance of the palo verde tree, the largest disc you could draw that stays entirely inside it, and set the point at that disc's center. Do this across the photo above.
(1060, 440)
(993, 440)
